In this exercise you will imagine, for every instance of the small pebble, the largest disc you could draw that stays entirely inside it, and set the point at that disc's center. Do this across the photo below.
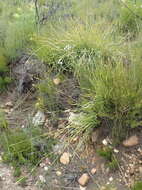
(58, 173)
(105, 142)
(140, 170)
(46, 168)
(132, 171)
(42, 165)
(65, 158)
(93, 171)
(56, 81)
(9, 104)
(47, 161)
(84, 179)
(131, 141)
(82, 188)
(116, 151)
(111, 179)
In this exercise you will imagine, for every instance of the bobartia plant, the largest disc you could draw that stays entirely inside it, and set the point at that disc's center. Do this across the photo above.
(113, 95)
(62, 47)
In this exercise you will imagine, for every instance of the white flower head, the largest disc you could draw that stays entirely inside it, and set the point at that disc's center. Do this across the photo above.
(68, 47)
(105, 142)
(42, 179)
(16, 15)
(60, 62)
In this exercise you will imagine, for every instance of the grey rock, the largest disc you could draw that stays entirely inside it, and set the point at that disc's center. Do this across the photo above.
(25, 71)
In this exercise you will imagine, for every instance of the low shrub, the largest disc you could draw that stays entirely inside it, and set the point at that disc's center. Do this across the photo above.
(27, 146)
(106, 152)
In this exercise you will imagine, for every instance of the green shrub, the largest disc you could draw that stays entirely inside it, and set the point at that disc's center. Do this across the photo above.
(17, 147)
(113, 165)
(4, 80)
(3, 64)
(19, 32)
(17, 172)
(27, 146)
(137, 186)
(114, 93)
(3, 121)
(118, 93)
(47, 97)
(17, 25)
(107, 153)
(104, 11)
(131, 17)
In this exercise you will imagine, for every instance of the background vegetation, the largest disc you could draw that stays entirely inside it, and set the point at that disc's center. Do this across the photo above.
(98, 43)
